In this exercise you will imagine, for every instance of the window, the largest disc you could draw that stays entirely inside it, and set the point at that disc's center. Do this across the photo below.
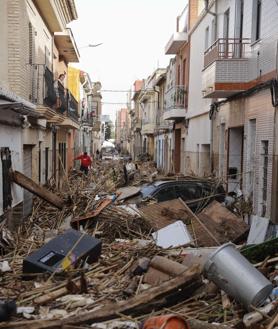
(207, 38)
(183, 71)
(256, 23)
(166, 193)
(188, 191)
(213, 36)
(226, 25)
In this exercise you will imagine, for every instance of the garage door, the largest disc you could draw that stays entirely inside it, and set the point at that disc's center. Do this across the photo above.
(27, 170)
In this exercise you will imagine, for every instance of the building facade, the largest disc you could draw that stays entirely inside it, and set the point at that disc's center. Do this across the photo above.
(177, 94)
(36, 49)
(243, 71)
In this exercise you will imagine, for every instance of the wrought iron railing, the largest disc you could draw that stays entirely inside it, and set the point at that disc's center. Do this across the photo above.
(47, 91)
(226, 48)
(176, 98)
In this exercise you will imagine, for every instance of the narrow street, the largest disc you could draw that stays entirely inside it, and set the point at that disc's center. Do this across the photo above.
(138, 170)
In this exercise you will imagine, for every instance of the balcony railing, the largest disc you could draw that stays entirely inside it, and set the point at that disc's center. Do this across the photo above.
(226, 49)
(51, 93)
(176, 98)
(72, 109)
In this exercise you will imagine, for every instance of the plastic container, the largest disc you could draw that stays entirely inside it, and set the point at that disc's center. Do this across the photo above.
(170, 321)
(233, 273)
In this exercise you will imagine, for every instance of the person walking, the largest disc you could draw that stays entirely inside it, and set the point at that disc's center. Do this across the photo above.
(86, 162)
(97, 155)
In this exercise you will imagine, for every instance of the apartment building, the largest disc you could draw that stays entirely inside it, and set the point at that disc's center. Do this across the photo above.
(85, 133)
(36, 49)
(162, 126)
(136, 120)
(122, 129)
(149, 102)
(176, 96)
(239, 78)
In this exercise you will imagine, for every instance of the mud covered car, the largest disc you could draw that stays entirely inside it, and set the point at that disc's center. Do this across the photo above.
(196, 193)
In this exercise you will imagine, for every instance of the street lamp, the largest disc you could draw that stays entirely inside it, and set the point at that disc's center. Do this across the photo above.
(91, 45)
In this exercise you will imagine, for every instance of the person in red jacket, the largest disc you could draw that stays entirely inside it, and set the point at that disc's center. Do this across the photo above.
(86, 162)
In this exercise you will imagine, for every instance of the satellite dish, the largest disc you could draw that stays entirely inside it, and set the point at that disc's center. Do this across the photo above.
(97, 86)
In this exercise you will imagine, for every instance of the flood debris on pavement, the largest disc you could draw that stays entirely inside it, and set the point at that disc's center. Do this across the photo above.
(133, 281)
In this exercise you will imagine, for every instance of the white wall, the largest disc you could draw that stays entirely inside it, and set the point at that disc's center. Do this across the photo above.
(196, 103)
(11, 137)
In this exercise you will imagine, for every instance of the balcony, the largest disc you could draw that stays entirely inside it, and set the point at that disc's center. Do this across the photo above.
(180, 37)
(53, 100)
(90, 119)
(56, 14)
(66, 46)
(148, 126)
(225, 70)
(137, 124)
(177, 40)
(175, 103)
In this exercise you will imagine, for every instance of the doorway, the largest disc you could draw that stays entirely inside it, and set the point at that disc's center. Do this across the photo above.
(235, 158)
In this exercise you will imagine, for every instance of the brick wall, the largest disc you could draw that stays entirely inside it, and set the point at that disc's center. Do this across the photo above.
(18, 48)
(238, 113)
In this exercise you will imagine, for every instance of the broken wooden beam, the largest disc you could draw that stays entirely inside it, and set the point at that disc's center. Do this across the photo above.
(27, 183)
(112, 310)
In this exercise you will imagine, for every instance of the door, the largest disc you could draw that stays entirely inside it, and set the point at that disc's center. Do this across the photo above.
(235, 158)
(27, 170)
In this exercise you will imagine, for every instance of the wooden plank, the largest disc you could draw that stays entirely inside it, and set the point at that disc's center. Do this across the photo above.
(27, 183)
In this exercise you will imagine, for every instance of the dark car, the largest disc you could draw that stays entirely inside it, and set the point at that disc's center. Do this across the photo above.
(196, 193)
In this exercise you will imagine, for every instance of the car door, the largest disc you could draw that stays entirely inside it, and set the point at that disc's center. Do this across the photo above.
(165, 193)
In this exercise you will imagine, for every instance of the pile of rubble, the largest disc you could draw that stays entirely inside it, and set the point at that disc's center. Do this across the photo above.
(101, 263)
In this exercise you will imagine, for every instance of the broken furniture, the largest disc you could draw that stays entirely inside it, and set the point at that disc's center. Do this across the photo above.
(71, 244)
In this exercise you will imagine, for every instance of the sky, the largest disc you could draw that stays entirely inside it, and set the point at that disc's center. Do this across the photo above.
(134, 34)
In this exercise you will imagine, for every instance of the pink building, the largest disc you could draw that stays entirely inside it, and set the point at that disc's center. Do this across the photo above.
(122, 128)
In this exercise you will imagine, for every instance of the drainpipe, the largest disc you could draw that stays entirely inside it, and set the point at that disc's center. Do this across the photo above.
(213, 100)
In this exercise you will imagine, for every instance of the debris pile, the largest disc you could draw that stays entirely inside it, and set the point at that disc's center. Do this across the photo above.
(160, 265)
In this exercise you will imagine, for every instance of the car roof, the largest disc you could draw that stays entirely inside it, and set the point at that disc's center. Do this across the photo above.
(161, 182)
(148, 189)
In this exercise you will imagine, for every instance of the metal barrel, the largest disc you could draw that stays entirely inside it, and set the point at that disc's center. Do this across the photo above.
(233, 273)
